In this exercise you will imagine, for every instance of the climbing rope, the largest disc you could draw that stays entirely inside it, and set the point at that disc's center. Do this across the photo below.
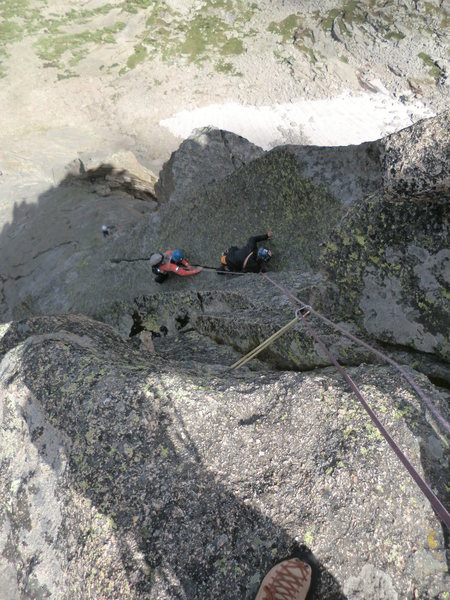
(296, 301)
(436, 504)
(242, 361)
(219, 271)
(119, 260)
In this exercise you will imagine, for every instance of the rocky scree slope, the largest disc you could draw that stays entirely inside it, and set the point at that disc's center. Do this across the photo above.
(337, 45)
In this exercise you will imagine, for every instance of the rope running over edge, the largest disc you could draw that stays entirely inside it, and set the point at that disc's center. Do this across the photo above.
(436, 504)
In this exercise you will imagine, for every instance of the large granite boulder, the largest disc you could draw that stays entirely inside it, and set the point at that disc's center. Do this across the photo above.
(207, 155)
(390, 265)
(416, 164)
(133, 475)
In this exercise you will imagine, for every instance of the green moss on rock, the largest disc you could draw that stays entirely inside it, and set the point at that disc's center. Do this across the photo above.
(268, 193)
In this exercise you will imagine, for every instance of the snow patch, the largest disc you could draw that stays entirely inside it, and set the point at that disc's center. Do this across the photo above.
(340, 121)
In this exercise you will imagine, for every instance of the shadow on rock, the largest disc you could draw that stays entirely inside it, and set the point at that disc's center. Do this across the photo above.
(85, 243)
(130, 508)
(54, 255)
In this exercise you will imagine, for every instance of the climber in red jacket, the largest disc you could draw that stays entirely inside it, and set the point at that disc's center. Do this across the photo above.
(171, 261)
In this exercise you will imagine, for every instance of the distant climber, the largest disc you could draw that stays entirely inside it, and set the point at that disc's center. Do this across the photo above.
(107, 230)
(171, 261)
(249, 259)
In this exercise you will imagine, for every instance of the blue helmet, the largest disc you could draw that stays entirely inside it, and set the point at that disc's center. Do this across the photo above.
(264, 254)
(177, 256)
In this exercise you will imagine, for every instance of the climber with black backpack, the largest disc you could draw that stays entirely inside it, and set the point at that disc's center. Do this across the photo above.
(249, 258)
(171, 261)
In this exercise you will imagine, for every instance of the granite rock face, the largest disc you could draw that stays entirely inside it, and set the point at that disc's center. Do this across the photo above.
(133, 475)
(135, 464)
(390, 264)
(54, 257)
(207, 155)
(416, 164)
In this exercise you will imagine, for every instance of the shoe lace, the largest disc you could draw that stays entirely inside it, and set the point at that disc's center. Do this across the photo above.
(288, 580)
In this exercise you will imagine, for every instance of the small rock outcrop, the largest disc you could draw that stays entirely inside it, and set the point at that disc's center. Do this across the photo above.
(349, 172)
(119, 172)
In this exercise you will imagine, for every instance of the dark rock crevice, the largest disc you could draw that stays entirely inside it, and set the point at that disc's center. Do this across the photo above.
(68, 243)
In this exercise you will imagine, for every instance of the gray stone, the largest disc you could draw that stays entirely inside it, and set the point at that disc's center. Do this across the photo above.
(8, 581)
(168, 474)
(435, 446)
(415, 161)
(369, 584)
(349, 172)
(207, 155)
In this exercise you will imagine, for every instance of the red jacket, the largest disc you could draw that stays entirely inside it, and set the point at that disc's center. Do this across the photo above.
(183, 269)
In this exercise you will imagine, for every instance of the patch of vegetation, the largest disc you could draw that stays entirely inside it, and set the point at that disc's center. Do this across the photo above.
(394, 35)
(433, 68)
(200, 35)
(350, 12)
(202, 31)
(133, 6)
(140, 53)
(10, 32)
(226, 67)
(285, 28)
(66, 75)
(308, 51)
(74, 46)
(13, 8)
(290, 30)
(302, 33)
(281, 59)
(20, 20)
(354, 11)
(82, 16)
(328, 20)
(233, 46)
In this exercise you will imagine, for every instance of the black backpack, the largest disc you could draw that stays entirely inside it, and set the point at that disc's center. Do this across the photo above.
(232, 260)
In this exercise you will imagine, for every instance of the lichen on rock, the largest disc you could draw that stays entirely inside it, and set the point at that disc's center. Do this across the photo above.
(390, 265)
(136, 477)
